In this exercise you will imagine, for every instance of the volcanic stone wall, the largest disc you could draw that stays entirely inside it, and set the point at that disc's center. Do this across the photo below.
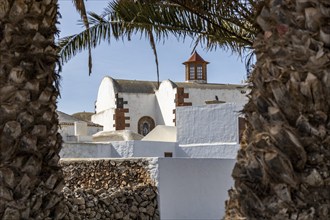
(109, 189)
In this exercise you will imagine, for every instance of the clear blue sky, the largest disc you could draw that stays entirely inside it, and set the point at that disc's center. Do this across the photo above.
(131, 60)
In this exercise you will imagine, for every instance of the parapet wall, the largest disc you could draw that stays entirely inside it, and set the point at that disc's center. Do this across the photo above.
(109, 189)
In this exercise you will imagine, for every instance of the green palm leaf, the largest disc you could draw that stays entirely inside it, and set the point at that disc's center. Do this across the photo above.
(221, 24)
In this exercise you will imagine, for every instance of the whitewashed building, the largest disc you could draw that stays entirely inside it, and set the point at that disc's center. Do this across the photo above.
(196, 123)
(139, 106)
(73, 129)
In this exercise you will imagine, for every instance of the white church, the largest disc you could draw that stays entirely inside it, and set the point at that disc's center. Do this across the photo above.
(139, 106)
(188, 131)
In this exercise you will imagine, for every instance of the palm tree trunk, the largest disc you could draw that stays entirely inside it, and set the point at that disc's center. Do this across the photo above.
(30, 177)
(283, 166)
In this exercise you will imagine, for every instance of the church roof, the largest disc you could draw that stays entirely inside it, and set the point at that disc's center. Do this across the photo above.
(208, 85)
(135, 86)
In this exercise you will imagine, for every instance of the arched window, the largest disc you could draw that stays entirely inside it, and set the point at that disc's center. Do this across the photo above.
(145, 125)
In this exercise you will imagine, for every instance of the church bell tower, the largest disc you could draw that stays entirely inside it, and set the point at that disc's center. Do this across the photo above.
(196, 69)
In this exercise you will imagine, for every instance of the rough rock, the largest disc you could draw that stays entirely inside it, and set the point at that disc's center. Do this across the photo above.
(95, 189)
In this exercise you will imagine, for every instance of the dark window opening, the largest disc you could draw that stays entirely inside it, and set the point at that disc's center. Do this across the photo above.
(168, 154)
(145, 129)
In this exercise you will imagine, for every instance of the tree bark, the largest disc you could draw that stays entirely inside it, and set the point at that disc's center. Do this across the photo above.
(283, 166)
(30, 177)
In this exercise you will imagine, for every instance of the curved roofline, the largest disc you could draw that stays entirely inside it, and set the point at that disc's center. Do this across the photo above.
(114, 82)
(173, 84)
(133, 86)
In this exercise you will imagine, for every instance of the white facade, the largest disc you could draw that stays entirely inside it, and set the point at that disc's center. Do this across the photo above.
(119, 149)
(208, 124)
(75, 130)
(142, 99)
(140, 105)
(105, 118)
(106, 95)
(209, 131)
(193, 188)
(165, 99)
(202, 139)
(199, 96)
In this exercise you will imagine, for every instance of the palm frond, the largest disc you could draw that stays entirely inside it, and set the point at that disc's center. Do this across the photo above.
(80, 7)
(225, 24)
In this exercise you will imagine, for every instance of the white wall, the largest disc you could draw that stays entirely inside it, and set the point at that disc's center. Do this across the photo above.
(106, 95)
(67, 131)
(93, 130)
(166, 102)
(139, 105)
(217, 123)
(198, 96)
(85, 150)
(105, 118)
(117, 149)
(126, 149)
(193, 188)
(122, 149)
(153, 148)
(217, 150)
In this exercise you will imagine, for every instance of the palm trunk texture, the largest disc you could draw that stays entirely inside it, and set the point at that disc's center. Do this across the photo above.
(283, 166)
(30, 177)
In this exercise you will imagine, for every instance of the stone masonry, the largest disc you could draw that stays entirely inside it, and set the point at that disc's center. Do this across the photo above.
(109, 189)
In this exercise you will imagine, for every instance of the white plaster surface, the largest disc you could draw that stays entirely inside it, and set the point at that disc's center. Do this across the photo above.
(93, 130)
(84, 138)
(66, 131)
(85, 150)
(216, 123)
(68, 134)
(123, 149)
(162, 133)
(153, 148)
(106, 95)
(121, 135)
(214, 150)
(166, 101)
(139, 105)
(198, 96)
(193, 188)
(105, 118)
(159, 105)
(153, 169)
(80, 128)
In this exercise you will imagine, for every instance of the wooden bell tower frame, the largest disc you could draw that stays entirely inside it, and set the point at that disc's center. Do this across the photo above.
(196, 69)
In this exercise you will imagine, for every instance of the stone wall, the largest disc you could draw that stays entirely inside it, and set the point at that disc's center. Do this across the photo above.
(109, 189)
